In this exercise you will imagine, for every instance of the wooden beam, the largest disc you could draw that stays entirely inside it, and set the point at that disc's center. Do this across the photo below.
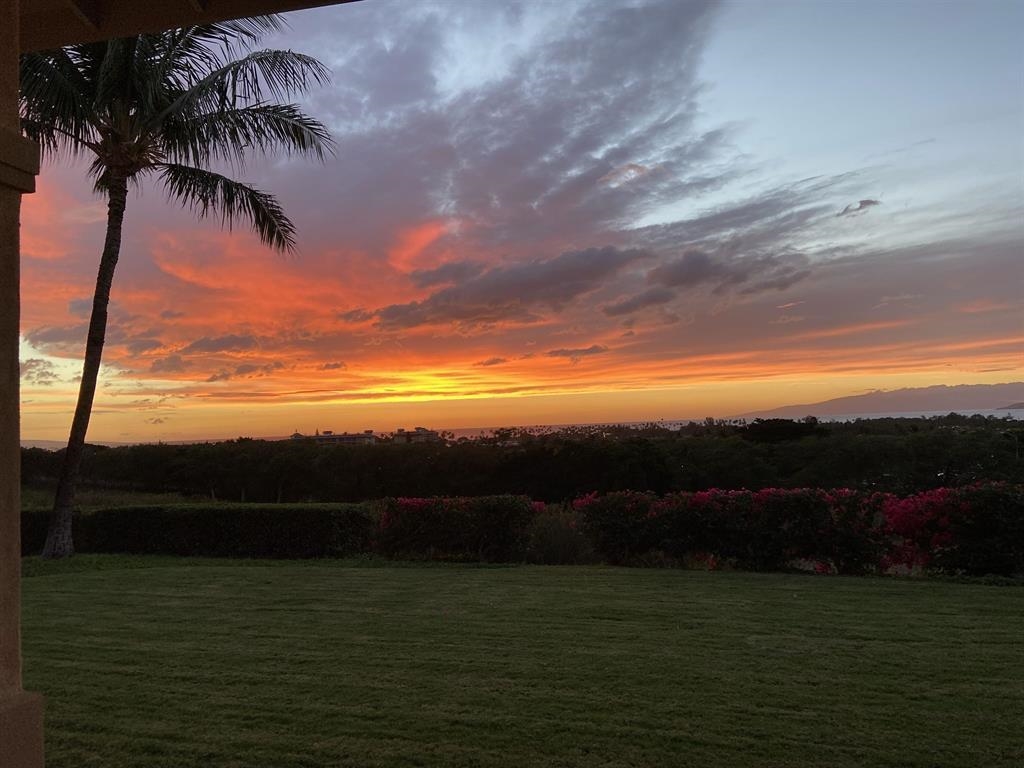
(53, 23)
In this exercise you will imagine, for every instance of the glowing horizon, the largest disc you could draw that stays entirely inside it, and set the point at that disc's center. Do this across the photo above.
(564, 233)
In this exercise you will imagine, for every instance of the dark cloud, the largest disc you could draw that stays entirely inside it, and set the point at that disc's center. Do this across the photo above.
(57, 336)
(38, 371)
(156, 420)
(453, 272)
(854, 209)
(230, 343)
(169, 364)
(754, 273)
(337, 366)
(356, 316)
(692, 268)
(247, 371)
(576, 354)
(772, 221)
(171, 314)
(80, 307)
(491, 361)
(649, 298)
(515, 292)
(139, 345)
(775, 273)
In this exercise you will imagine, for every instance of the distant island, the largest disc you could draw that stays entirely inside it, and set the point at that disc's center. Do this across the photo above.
(940, 398)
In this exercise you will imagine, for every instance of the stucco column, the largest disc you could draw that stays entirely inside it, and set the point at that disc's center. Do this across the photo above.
(21, 713)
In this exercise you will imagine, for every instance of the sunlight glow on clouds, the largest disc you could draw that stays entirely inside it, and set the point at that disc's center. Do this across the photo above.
(534, 216)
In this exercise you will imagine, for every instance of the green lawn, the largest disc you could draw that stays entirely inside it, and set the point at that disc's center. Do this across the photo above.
(160, 662)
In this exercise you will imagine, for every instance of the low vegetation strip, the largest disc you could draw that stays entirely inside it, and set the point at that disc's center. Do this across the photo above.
(161, 663)
(895, 455)
(975, 530)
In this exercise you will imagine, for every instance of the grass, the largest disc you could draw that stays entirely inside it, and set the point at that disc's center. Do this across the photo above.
(163, 662)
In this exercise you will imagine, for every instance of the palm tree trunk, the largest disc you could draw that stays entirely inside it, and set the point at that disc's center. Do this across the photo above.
(59, 541)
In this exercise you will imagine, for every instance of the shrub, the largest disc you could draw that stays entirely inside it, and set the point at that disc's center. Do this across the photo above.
(778, 526)
(622, 526)
(854, 541)
(222, 530)
(972, 531)
(984, 533)
(917, 526)
(484, 528)
(556, 538)
(715, 523)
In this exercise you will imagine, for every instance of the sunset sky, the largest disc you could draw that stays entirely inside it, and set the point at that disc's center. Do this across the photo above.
(547, 212)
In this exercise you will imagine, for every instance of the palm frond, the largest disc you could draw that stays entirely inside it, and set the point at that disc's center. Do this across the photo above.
(56, 102)
(114, 76)
(228, 134)
(236, 35)
(210, 194)
(192, 52)
(187, 56)
(279, 74)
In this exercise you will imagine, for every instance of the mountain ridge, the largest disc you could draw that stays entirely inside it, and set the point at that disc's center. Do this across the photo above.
(939, 397)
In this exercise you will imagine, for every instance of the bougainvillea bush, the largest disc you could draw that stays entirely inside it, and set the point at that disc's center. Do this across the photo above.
(974, 530)
(763, 530)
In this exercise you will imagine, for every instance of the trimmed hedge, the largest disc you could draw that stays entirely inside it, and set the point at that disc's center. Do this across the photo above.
(484, 528)
(974, 531)
(481, 528)
(220, 530)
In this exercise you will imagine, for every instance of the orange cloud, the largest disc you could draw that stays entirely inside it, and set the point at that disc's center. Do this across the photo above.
(410, 244)
(52, 220)
(854, 329)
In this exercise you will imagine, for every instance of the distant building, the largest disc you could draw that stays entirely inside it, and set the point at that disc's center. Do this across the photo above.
(417, 435)
(327, 437)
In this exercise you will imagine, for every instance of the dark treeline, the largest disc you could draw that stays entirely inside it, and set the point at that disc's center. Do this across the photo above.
(896, 455)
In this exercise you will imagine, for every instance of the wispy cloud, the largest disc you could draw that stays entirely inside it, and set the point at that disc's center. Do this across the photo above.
(515, 293)
(854, 209)
(38, 372)
(229, 343)
(577, 354)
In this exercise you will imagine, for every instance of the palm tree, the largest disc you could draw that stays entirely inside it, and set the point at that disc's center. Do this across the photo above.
(169, 105)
